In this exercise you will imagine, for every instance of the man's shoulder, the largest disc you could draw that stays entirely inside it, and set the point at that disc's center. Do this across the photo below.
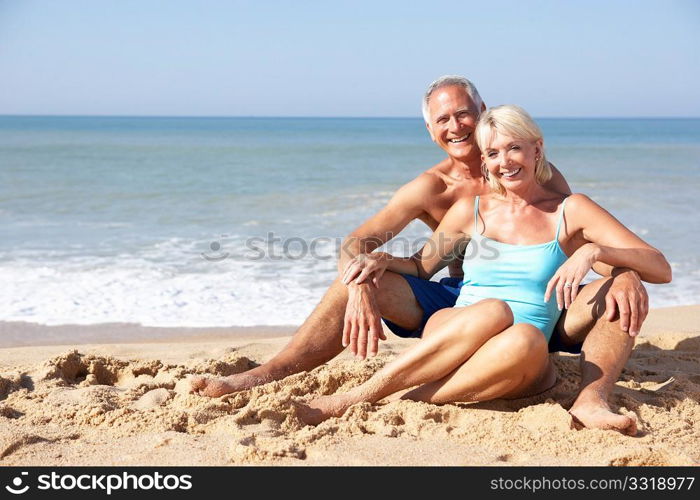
(441, 168)
(429, 182)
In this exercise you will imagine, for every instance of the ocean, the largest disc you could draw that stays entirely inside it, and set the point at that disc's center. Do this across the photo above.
(237, 221)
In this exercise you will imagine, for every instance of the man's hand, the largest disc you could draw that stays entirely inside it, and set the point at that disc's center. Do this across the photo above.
(628, 296)
(362, 327)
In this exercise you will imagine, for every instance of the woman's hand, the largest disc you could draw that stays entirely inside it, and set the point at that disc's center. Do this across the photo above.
(567, 279)
(365, 265)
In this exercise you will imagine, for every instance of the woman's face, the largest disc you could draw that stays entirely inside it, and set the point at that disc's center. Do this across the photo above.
(511, 160)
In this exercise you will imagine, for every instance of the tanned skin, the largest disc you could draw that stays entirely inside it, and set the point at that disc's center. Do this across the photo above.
(606, 315)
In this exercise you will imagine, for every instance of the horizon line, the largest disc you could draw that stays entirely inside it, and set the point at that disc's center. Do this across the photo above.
(330, 117)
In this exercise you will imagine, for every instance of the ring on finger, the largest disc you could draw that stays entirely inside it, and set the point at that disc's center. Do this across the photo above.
(567, 285)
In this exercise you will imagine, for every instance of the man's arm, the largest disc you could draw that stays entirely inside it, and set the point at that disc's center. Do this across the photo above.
(407, 204)
(362, 326)
(557, 182)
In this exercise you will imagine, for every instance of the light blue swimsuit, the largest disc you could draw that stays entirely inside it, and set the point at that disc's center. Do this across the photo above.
(515, 274)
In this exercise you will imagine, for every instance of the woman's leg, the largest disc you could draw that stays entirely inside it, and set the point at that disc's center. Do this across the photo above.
(515, 363)
(462, 331)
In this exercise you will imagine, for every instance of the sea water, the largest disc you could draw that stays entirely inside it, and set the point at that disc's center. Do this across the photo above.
(238, 221)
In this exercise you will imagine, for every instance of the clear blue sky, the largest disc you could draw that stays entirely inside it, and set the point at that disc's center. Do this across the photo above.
(353, 58)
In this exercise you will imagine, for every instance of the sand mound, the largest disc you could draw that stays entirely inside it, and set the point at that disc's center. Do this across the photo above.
(10, 384)
(84, 408)
(651, 457)
(73, 367)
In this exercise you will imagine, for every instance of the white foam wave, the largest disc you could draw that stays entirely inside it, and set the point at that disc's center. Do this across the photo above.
(171, 284)
(139, 292)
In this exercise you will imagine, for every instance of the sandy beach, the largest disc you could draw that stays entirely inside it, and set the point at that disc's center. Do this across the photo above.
(99, 401)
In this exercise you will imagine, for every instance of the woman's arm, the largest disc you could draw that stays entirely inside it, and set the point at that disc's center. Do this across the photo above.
(601, 238)
(439, 250)
(613, 243)
(444, 244)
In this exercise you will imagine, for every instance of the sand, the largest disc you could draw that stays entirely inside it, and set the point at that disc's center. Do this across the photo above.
(107, 403)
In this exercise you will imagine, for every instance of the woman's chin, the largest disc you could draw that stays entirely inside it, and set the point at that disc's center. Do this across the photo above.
(516, 185)
(513, 182)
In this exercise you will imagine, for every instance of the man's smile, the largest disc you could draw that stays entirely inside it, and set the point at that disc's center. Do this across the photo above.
(457, 140)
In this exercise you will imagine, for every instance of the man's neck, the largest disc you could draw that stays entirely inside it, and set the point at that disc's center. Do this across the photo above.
(469, 169)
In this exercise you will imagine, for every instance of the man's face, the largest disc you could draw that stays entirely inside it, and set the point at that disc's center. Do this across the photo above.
(453, 118)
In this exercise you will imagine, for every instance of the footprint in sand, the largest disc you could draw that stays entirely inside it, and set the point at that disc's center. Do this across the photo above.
(650, 457)
(153, 399)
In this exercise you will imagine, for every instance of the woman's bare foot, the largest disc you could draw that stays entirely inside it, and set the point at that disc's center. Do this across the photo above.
(215, 387)
(596, 414)
(323, 408)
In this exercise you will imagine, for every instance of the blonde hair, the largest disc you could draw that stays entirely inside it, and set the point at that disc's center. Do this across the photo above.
(516, 122)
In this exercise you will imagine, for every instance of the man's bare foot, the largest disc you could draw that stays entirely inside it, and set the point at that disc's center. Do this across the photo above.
(323, 408)
(215, 387)
(596, 414)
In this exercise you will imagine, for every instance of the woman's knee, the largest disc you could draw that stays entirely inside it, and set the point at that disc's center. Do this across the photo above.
(497, 311)
(523, 342)
(491, 315)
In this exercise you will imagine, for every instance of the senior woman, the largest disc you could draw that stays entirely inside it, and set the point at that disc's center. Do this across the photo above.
(527, 250)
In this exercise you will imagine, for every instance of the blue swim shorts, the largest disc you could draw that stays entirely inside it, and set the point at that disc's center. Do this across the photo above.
(435, 295)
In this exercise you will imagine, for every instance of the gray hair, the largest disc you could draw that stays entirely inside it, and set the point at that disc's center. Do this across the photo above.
(446, 81)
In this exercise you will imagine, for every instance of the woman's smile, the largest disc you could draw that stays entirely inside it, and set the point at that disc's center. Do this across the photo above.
(509, 174)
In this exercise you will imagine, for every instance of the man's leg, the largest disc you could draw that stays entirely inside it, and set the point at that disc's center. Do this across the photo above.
(319, 339)
(606, 348)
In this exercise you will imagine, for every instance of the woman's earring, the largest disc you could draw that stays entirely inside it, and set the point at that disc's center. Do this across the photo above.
(485, 171)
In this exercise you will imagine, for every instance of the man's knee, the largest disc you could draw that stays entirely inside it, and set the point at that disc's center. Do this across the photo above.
(395, 298)
(392, 284)
(586, 312)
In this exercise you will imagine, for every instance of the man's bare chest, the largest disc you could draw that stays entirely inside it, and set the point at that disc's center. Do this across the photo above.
(436, 208)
